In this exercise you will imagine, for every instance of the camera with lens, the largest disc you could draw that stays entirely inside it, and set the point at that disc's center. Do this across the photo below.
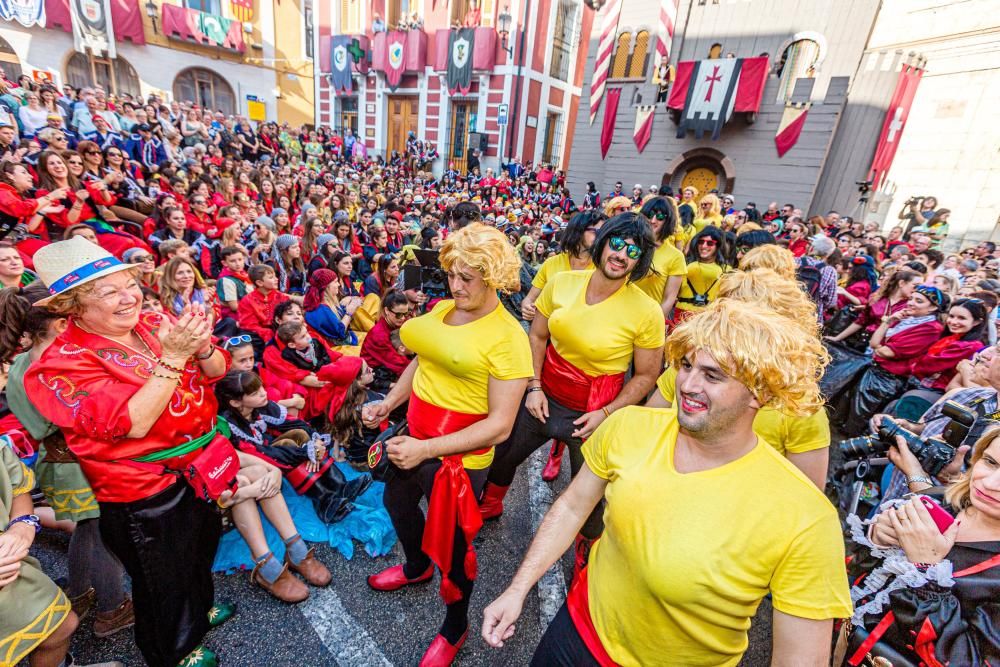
(864, 186)
(427, 276)
(933, 453)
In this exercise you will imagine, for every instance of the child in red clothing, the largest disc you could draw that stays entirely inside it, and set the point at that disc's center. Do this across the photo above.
(283, 392)
(325, 374)
(256, 310)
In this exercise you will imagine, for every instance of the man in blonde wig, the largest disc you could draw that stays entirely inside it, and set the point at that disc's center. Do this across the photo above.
(703, 518)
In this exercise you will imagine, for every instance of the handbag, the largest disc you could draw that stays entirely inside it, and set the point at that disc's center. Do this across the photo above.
(382, 469)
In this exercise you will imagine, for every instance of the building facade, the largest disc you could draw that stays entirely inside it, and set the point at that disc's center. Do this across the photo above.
(223, 54)
(524, 92)
(841, 62)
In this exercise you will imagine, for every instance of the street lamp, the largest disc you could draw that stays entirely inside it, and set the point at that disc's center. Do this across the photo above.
(152, 12)
(504, 20)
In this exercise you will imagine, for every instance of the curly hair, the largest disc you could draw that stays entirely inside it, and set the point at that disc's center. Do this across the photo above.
(486, 250)
(779, 362)
(772, 290)
(779, 260)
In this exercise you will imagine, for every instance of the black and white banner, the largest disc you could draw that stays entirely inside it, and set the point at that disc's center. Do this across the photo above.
(461, 43)
(92, 27)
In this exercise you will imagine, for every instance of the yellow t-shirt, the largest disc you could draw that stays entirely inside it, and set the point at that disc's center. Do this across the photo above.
(685, 559)
(683, 234)
(599, 339)
(700, 223)
(705, 279)
(667, 261)
(788, 434)
(455, 363)
(550, 267)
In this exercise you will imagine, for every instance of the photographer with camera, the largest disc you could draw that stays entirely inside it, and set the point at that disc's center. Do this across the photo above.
(927, 577)
(917, 211)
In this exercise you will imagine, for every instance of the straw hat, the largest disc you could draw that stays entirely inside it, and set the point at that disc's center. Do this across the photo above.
(67, 264)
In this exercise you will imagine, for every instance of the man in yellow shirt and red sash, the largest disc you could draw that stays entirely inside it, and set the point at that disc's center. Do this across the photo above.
(703, 518)
(588, 328)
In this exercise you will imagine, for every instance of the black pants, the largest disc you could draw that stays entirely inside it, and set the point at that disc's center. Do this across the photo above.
(528, 435)
(562, 646)
(402, 500)
(167, 543)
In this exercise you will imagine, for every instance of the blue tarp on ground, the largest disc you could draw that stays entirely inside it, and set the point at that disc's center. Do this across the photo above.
(369, 524)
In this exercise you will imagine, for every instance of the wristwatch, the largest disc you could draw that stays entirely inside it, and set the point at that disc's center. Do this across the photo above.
(912, 479)
(30, 519)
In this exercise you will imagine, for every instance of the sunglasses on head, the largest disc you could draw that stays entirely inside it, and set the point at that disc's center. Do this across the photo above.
(237, 340)
(632, 251)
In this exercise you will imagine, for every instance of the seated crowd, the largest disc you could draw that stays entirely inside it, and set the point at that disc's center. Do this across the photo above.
(183, 292)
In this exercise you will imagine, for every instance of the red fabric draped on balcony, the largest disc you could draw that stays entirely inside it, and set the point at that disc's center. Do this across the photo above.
(183, 23)
(126, 18)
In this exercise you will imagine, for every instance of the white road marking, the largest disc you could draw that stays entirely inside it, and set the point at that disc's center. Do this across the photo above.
(552, 585)
(348, 642)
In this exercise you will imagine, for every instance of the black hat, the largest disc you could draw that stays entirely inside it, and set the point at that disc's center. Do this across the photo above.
(142, 127)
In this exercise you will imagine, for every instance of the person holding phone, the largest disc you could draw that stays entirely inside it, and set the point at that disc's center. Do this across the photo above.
(935, 599)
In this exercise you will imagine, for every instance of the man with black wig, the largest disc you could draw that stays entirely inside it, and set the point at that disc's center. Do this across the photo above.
(588, 328)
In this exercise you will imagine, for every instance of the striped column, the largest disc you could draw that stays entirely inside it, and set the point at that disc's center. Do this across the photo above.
(668, 17)
(605, 47)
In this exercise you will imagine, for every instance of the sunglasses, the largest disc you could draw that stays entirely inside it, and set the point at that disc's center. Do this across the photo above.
(143, 258)
(743, 249)
(237, 340)
(708, 242)
(93, 153)
(398, 314)
(660, 216)
(632, 251)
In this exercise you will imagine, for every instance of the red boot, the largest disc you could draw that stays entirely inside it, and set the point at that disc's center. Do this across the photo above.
(552, 466)
(491, 505)
(393, 578)
(581, 551)
(441, 653)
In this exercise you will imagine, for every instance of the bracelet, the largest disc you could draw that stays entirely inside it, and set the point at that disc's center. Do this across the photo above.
(607, 413)
(211, 352)
(531, 389)
(175, 369)
(173, 378)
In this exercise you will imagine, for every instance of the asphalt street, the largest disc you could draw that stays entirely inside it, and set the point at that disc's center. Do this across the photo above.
(350, 625)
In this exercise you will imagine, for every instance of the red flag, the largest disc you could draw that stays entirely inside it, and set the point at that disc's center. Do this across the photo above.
(610, 112)
(644, 117)
(895, 121)
(790, 127)
(242, 10)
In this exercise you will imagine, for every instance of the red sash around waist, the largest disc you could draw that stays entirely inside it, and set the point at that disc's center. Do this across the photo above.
(573, 388)
(578, 604)
(452, 500)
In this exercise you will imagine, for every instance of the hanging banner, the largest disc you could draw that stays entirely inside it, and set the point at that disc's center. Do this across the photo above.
(643, 130)
(461, 42)
(605, 47)
(708, 92)
(26, 12)
(340, 65)
(895, 121)
(610, 113)
(92, 27)
(790, 127)
(242, 10)
(396, 45)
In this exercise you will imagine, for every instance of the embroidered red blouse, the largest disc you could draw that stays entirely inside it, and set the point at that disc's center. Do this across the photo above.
(83, 384)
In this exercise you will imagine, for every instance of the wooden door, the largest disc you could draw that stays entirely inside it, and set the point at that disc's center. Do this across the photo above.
(402, 117)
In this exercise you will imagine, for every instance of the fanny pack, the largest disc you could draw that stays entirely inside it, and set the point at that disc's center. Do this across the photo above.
(210, 474)
(382, 469)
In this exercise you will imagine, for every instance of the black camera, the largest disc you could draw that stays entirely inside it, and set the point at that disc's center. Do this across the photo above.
(864, 186)
(933, 453)
(427, 276)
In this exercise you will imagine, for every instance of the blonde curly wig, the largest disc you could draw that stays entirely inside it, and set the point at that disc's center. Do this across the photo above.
(486, 250)
(779, 362)
(774, 257)
(765, 288)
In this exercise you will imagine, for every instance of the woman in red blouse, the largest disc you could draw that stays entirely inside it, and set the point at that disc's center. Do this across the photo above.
(21, 216)
(122, 385)
(900, 339)
(861, 282)
(891, 297)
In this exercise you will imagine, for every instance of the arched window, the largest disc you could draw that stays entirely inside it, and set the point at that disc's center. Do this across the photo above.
(114, 75)
(206, 88)
(9, 61)
(798, 61)
(637, 66)
(630, 58)
(619, 62)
